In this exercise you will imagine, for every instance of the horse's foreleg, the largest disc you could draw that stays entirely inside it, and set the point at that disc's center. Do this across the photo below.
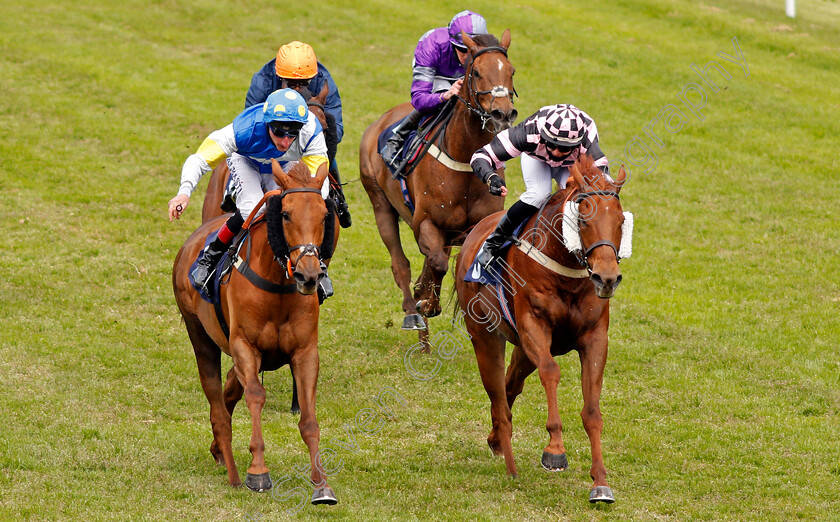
(592, 360)
(387, 222)
(246, 362)
(233, 391)
(432, 243)
(519, 369)
(305, 365)
(208, 359)
(536, 345)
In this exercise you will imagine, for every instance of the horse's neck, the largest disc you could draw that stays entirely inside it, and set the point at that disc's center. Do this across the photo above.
(464, 135)
(548, 224)
(261, 258)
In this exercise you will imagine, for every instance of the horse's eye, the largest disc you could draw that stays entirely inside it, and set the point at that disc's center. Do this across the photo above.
(285, 216)
(476, 73)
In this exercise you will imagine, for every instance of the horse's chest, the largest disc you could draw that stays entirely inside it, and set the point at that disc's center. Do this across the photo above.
(569, 318)
(448, 212)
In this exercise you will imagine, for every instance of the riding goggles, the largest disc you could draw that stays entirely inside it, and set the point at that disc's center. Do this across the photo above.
(292, 83)
(283, 130)
(561, 148)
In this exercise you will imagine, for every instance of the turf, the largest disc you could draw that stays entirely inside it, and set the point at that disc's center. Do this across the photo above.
(721, 390)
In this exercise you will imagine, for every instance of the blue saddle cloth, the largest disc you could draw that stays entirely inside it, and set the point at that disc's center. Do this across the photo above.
(491, 276)
(213, 295)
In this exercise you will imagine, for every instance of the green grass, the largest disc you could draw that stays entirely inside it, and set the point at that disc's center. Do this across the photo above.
(721, 393)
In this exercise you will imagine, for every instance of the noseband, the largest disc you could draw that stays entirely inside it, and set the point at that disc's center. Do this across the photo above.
(498, 91)
(583, 254)
(308, 249)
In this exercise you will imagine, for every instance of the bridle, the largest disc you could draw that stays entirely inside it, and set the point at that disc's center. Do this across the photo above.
(498, 91)
(583, 255)
(308, 249)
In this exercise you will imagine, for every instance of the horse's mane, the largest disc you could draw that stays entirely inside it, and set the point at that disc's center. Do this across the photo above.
(300, 173)
(486, 40)
(592, 175)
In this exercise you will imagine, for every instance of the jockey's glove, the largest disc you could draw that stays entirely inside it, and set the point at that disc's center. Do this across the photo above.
(496, 183)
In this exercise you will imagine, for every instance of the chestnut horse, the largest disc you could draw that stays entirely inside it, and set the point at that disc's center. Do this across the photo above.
(268, 329)
(212, 207)
(558, 301)
(447, 201)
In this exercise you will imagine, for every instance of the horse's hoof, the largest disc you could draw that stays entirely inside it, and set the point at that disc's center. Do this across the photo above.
(553, 462)
(601, 494)
(421, 304)
(295, 409)
(324, 495)
(413, 322)
(259, 483)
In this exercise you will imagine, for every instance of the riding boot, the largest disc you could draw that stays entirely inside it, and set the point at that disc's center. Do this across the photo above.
(214, 251)
(401, 132)
(325, 286)
(340, 201)
(518, 213)
(207, 261)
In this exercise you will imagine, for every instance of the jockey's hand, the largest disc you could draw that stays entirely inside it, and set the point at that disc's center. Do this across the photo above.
(177, 205)
(454, 90)
(497, 185)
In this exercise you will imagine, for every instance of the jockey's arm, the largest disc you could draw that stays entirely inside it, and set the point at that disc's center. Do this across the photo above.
(216, 147)
(314, 152)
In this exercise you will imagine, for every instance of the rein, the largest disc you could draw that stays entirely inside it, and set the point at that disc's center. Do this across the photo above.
(498, 91)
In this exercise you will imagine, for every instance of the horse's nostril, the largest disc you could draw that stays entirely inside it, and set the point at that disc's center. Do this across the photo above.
(512, 116)
(597, 279)
(617, 280)
(497, 115)
(300, 278)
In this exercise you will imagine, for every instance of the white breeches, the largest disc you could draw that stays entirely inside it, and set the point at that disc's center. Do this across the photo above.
(247, 185)
(538, 176)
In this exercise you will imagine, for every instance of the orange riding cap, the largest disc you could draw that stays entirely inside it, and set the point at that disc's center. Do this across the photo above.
(296, 60)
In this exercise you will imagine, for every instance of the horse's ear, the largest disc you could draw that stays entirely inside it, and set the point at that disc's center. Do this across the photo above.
(620, 179)
(322, 96)
(471, 45)
(576, 175)
(505, 42)
(321, 174)
(280, 176)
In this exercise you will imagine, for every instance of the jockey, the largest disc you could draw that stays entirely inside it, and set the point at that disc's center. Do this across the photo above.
(283, 129)
(296, 67)
(549, 141)
(438, 74)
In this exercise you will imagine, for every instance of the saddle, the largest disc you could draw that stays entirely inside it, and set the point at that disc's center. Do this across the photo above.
(418, 142)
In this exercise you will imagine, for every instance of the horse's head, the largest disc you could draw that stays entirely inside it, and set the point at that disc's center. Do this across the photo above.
(488, 79)
(600, 221)
(299, 221)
